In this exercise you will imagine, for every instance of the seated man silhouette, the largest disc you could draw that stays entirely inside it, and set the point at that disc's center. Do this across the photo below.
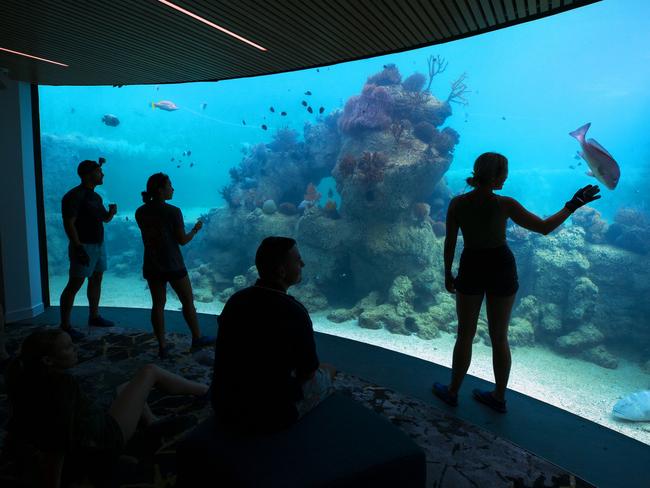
(266, 371)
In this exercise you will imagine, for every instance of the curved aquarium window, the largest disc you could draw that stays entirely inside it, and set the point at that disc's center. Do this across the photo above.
(359, 161)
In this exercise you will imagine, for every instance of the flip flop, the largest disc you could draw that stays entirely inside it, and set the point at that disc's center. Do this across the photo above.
(485, 397)
(442, 392)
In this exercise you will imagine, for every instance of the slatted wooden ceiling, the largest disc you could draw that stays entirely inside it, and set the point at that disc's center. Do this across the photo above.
(124, 42)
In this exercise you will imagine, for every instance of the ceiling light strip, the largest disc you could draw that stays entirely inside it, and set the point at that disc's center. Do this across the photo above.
(33, 57)
(212, 24)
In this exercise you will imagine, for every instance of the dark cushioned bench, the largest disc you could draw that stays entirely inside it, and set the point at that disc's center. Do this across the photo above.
(340, 443)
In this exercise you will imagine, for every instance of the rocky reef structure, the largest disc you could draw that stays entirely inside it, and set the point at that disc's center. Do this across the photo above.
(387, 151)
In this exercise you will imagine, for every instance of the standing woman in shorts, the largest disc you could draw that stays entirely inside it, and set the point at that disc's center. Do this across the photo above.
(487, 268)
(163, 232)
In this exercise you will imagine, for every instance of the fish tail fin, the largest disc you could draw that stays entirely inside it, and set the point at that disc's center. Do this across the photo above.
(581, 132)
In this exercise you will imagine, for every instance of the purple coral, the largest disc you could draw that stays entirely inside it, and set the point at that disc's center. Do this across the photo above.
(390, 75)
(369, 111)
(446, 140)
(425, 131)
(414, 83)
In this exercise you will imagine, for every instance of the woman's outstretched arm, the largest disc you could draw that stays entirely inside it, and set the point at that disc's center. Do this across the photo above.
(451, 236)
(530, 221)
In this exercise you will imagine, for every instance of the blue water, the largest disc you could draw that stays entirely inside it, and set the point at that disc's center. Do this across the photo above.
(530, 85)
(546, 78)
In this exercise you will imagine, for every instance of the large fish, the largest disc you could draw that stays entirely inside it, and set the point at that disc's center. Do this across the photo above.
(164, 105)
(602, 164)
(635, 407)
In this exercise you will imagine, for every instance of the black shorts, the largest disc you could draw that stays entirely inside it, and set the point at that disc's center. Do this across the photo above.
(164, 275)
(492, 271)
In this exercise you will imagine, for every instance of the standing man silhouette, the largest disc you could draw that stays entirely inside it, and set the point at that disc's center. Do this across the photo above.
(84, 216)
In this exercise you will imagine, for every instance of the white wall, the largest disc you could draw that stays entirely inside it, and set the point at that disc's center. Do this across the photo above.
(18, 214)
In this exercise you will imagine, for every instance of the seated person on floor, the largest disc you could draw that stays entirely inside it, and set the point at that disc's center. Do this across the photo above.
(53, 420)
(266, 371)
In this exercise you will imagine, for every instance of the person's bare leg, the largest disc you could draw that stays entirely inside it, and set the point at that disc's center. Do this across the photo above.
(183, 289)
(158, 290)
(147, 417)
(67, 298)
(94, 292)
(498, 313)
(3, 350)
(468, 308)
(129, 405)
(330, 369)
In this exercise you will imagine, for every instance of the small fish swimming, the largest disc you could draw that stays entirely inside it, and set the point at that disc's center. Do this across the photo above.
(572, 167)
(321, 110)
(317, 70)
(191, 164)
(310, 110)
(602, 164)
(165, 105)
(307, 92)
(271, 109)
(172, 159)
(204, 106)
(243, 122)
(72, 110)
(304, 104)
(189, 153)
(577, 155)
(634, 407)
(579, 163)
(111, 120)
(283, 114)
(264, 127)
(503, 118)
(126, 218)
(178, 165)
(184, 154)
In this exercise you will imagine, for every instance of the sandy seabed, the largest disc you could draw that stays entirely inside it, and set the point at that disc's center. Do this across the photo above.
(577, 386)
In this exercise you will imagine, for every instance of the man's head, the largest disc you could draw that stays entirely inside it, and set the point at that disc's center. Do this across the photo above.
(278, 260)
(91, 172)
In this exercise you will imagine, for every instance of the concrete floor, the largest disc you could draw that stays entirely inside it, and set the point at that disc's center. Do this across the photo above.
(598, 455)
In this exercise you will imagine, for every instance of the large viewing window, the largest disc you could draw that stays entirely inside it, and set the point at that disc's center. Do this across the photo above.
(359, 161)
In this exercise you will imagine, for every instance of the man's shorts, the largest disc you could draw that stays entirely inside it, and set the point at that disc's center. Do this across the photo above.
(315, 391)
(487, 271)
(96, 264)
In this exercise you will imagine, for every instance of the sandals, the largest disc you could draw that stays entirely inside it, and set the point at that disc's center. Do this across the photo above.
(485, 397)
(442, 392)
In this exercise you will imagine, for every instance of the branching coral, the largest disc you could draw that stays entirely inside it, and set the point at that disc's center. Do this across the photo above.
(397, 129)
(414, 83)
(370, 167)
(437, 65)
(390, 75)
(369, 111)
(458, 91)
(345, 166)
(330, 209)
(311, 194)
(284, 140)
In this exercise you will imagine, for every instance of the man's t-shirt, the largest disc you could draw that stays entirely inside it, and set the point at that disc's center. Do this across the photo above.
(88, 208)
(265, 344)
(158, 222)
